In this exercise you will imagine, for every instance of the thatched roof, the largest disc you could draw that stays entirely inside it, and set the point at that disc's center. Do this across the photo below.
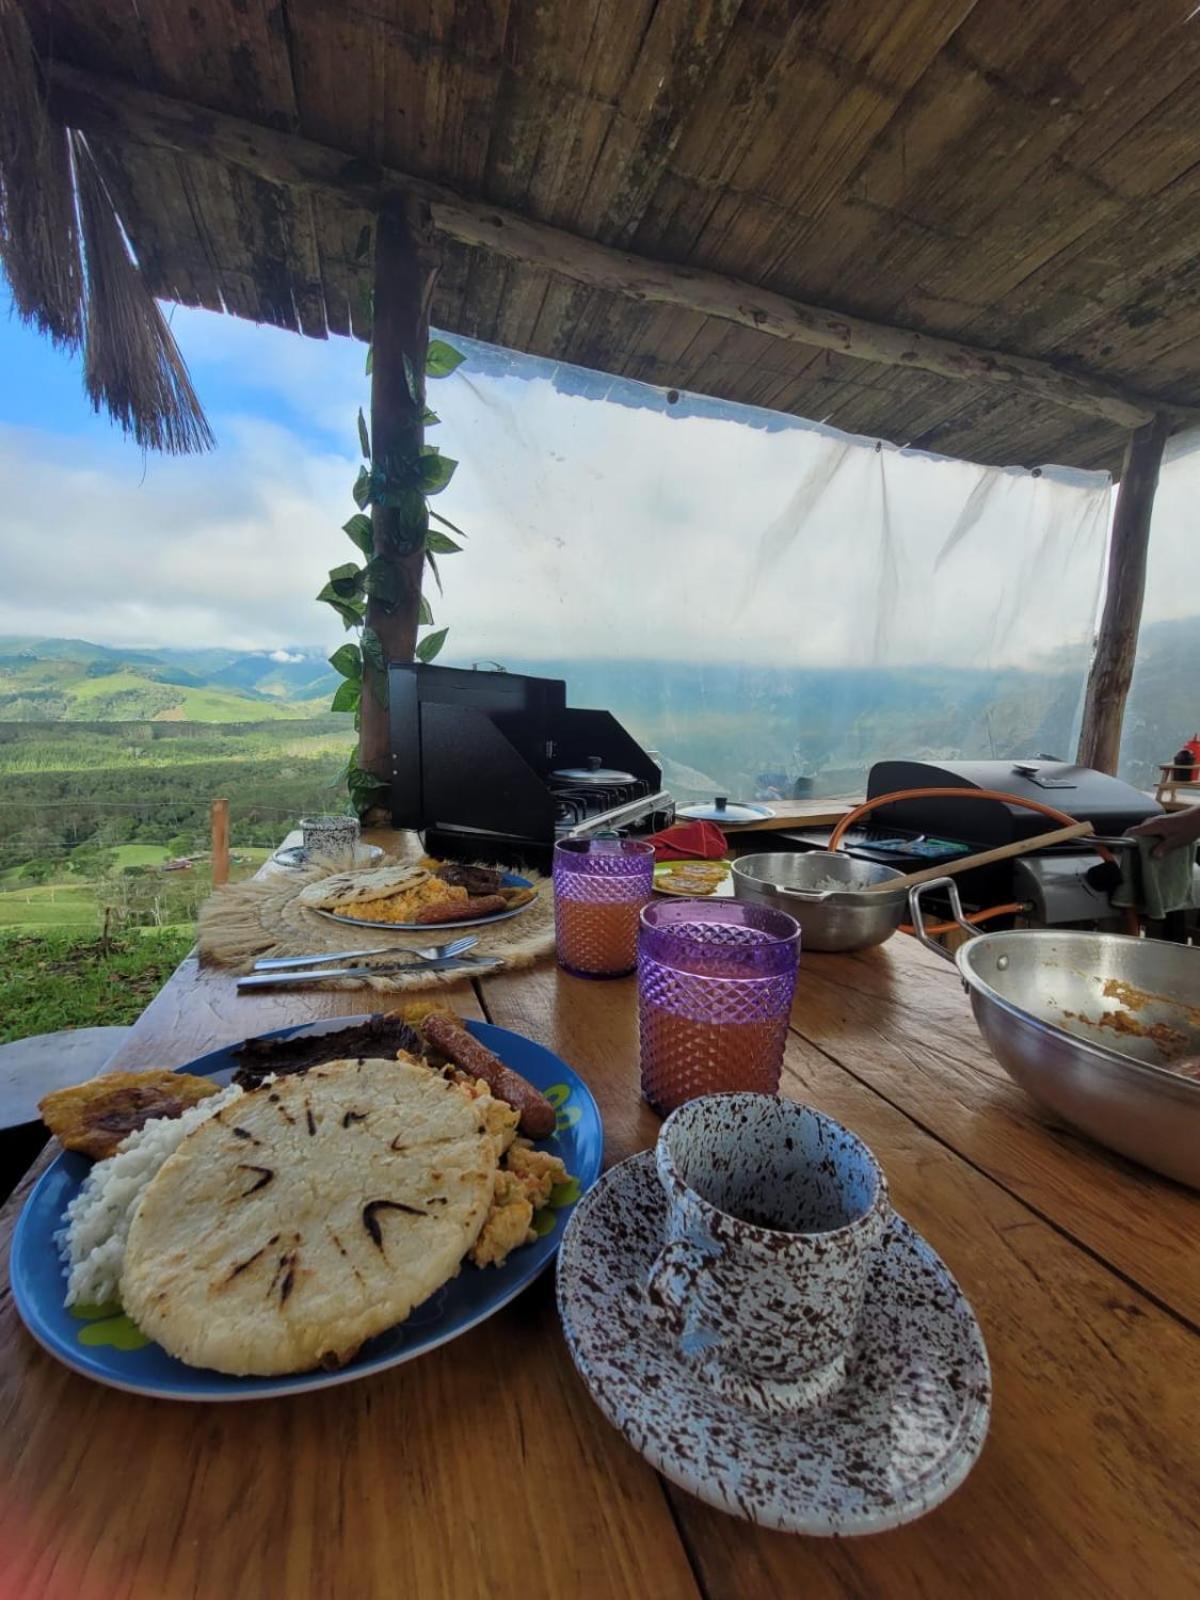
(1020, 176)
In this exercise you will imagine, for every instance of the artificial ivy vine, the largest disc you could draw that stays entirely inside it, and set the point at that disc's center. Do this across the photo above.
(404, 486)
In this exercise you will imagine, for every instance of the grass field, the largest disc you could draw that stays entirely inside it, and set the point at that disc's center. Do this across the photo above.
(50, 905)
(140, 855)
(67, 981)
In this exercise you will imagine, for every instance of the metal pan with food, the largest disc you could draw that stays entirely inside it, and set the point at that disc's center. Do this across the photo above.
(839, 902)
(1100, 1028)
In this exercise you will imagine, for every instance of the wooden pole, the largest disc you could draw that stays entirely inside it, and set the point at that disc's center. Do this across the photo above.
(220, 842)
(405, 271)
(1125, 585)
(122, 113)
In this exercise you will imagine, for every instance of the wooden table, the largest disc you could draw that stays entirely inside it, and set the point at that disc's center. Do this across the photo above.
(484, 1469)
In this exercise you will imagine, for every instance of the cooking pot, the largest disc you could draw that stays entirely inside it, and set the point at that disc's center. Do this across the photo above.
(798, 882)
(1088, 1025)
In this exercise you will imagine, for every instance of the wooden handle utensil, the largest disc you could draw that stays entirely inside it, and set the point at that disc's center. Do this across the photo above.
(984, 858)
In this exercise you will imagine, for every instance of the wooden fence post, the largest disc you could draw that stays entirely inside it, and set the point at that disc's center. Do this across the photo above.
(220, 842)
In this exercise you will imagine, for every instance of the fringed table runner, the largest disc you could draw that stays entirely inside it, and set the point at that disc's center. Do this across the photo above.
(246, 922)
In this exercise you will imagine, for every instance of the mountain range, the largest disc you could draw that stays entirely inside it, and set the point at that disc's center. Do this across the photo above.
(73, 680)
(718, 726)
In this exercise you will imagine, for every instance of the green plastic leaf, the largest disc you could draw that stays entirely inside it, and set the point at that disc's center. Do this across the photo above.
(429, 419)
(424, 614)
(359, 529)
(350, 611)
(441, 359)
(362, 488)
(347, 659)
(433, 567)
(364, 438)
(413, 522)
(381, 580)
(347, 697)
(446, 523)
(411, 381)
(431, 644)
(346, 581)
(372, 649)
(441, 543)
(370, 364)
(436, 470)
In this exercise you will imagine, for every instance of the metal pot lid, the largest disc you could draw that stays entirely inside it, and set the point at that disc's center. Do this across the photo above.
(593, 773)
(723, 810)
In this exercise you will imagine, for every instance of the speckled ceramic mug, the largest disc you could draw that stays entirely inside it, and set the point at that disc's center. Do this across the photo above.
(774, 1212)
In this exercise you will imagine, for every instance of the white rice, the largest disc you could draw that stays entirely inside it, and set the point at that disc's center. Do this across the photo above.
(96, 1223)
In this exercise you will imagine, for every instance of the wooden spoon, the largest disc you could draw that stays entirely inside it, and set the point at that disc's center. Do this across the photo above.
(984, 858)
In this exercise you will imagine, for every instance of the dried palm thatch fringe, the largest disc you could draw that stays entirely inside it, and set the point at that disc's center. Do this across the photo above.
(131, 362)
(263, 916)
(39, 232)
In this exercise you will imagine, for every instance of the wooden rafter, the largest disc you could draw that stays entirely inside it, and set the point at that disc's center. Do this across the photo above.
(124, 113)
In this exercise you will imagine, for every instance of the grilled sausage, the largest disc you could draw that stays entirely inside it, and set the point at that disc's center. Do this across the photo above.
(461, 910)
(449, 1036)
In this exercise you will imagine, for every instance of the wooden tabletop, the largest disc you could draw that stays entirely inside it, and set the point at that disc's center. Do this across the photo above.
(484, 1468)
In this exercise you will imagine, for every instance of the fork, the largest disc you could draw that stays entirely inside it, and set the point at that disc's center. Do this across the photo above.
(429, 952)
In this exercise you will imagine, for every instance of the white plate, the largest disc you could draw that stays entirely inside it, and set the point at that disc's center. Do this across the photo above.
(295, 855)
(898, 1437)
(510, 880)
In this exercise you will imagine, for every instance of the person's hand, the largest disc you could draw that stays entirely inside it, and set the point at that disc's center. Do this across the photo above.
(1174, 830)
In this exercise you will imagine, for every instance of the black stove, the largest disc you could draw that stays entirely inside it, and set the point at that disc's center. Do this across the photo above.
(1067, 885)
(496, 766)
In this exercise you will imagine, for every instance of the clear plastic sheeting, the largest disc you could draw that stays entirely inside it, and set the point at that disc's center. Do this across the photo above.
(771, 604)
(1163, 709)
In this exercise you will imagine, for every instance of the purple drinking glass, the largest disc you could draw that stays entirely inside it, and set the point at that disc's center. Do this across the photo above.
(715, 986)
(600, 886)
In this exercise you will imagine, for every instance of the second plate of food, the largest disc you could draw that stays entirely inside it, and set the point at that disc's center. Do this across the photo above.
(421, 899)
(103, 1343)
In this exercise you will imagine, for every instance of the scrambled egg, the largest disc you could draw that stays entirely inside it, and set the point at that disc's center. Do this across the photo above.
(508, 1224)
(523, 1187)
(536, 1171)
(405, 907)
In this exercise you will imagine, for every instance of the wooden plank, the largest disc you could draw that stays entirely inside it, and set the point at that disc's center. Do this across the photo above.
(287, 158)
(335, 1495)
(1116, 643)
(220, 842)
(1079, 1488)
(1088, 1482)
(897, 1019)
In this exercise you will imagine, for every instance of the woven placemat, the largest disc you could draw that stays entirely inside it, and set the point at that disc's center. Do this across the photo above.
(246, 922)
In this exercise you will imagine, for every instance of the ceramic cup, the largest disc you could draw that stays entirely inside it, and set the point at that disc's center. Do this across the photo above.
(332, 838)
(774, 1212)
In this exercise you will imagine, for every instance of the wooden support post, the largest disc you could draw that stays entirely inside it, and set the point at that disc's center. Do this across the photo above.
(405, 270)
(220, 842)
(1116, 643)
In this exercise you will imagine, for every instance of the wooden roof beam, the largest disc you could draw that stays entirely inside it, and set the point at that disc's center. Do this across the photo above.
(121, 112)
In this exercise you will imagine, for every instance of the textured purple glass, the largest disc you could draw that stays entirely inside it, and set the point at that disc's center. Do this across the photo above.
(600, 886)
(715, 986)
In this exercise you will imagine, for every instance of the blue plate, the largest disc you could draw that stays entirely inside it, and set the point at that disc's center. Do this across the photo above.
(510, 880)
(102, 1343)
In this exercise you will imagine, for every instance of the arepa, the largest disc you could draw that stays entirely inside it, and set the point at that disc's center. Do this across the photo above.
(312, 1214)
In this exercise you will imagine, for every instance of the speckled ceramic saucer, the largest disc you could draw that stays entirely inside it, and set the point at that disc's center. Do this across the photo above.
(898, 1437)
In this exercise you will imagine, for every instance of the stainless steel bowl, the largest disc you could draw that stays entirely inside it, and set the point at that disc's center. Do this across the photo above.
(830, 919)
(1088, 1023)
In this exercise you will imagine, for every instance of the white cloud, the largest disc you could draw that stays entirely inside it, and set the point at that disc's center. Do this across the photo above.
(286, 656)
(595, 529)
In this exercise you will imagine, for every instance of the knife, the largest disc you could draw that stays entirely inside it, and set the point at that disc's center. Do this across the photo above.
(283, 963)
(273, 980)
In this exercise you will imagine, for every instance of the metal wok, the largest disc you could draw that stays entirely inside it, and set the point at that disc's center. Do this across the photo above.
(1089, 1024)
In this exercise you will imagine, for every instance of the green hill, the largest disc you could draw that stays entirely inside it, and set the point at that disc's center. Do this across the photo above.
(70, 680)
